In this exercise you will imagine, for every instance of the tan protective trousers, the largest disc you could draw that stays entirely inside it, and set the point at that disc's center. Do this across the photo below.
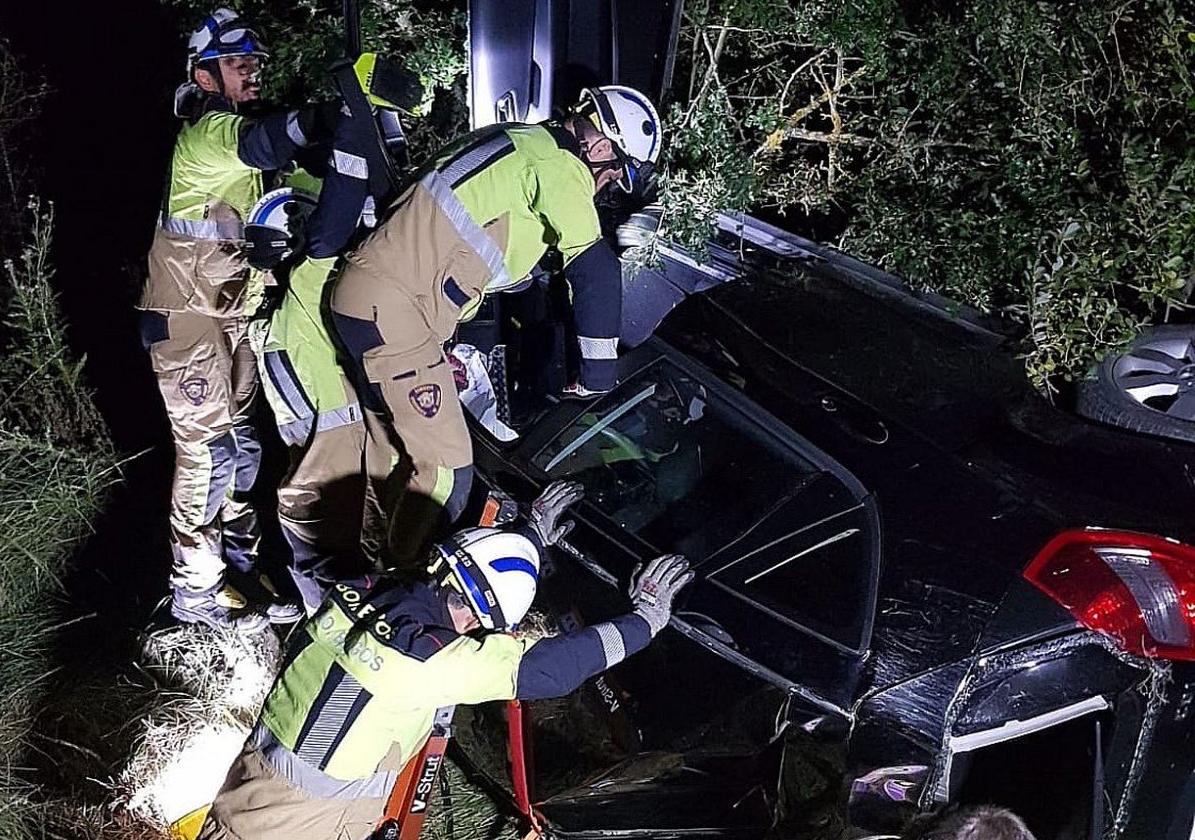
(396, 302)
(257, 803)
(207, 375)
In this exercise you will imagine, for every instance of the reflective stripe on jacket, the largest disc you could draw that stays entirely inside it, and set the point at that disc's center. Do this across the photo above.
(369, 671)
(527, 186)
(215, 179)
(211, 189)
(300, 375)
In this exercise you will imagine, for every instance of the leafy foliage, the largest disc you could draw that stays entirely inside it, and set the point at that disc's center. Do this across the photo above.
(1031, 158)
(55, 460)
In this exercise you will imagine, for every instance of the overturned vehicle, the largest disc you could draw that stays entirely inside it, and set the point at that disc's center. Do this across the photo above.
(918, 583)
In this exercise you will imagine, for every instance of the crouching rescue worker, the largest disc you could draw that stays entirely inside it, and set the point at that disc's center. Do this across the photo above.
(330, 517)
(478, 221)
(194, 318)
(361, 684)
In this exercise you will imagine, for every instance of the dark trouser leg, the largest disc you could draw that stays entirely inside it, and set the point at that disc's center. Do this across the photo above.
(320, 504)
(241, 533)
(414, 389)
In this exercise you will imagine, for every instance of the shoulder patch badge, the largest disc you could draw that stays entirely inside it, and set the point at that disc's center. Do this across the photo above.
(194, 389)
(426, 400)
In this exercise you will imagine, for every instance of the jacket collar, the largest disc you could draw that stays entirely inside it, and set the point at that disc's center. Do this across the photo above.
(563, 137)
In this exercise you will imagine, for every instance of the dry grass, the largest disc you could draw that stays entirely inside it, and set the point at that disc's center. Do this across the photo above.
(210, 686)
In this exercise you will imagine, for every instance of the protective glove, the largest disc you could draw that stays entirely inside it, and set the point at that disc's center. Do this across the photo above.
(318, 121)
(652, 590)
(550, 506)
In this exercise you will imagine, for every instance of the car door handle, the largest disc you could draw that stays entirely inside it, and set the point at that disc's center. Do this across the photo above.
(506, 108)
(704, 624)
(870, 430)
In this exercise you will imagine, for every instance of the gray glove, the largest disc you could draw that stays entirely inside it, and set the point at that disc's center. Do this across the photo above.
(550, 506)
(652, 590)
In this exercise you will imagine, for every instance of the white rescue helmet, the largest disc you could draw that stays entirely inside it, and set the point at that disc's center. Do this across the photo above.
(628, 118)
(495, 571)
(275, 226)
(222, 33)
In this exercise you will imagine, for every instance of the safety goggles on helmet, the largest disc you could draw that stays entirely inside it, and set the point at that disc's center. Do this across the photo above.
(630, 121)
(495, 571)
(223, 34)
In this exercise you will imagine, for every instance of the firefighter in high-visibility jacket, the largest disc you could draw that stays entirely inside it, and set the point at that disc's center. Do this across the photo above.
(361, 683)
(477, 221)
(331, 518)
(195, 305)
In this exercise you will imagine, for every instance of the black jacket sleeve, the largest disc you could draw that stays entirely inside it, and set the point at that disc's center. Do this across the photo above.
(557, 666)
(272, 142)
(596, 279)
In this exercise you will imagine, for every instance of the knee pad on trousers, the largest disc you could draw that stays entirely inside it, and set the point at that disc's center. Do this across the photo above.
(357, 337)
(248, 460)
(223, 453)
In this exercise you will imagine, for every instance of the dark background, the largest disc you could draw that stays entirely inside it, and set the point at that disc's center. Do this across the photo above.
(101, 148)
(103, 142)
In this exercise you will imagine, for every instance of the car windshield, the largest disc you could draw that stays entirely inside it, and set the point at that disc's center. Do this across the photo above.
(674, 464)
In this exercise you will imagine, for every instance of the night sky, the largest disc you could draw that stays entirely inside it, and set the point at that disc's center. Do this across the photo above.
(103, 145)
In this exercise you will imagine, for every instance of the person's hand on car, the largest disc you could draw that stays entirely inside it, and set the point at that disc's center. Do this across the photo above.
(546, 510)
(653, 589)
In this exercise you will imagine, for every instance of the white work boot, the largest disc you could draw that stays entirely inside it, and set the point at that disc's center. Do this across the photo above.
(205, 607)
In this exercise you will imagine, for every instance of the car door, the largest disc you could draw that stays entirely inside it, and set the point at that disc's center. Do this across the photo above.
(785, 543)
(528, 57)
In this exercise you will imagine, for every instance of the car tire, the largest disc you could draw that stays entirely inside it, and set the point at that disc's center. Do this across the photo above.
(1147, 388)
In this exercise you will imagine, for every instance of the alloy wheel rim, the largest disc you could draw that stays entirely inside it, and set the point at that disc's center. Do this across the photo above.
(1159, 374)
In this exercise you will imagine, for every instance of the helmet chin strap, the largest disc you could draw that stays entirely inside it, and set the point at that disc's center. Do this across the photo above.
(597, 167)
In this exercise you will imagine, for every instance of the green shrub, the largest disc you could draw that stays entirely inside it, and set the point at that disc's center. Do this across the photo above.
(1030, 158)
(42, 393)
(55, 469)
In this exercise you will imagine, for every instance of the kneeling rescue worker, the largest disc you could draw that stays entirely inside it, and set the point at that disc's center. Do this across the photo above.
(477, 221)
(361, 683)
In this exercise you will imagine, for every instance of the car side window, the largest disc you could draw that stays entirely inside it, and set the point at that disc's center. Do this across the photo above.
(672, 463)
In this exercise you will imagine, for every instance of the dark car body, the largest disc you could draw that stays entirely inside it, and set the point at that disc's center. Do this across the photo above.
(860, 476)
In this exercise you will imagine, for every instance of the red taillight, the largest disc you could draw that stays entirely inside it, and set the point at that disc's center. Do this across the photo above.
(1137, 588)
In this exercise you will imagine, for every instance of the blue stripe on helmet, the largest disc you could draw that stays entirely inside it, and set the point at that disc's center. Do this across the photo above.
(474, 592)
(514, 564)
(632, 172)
(264, 213)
